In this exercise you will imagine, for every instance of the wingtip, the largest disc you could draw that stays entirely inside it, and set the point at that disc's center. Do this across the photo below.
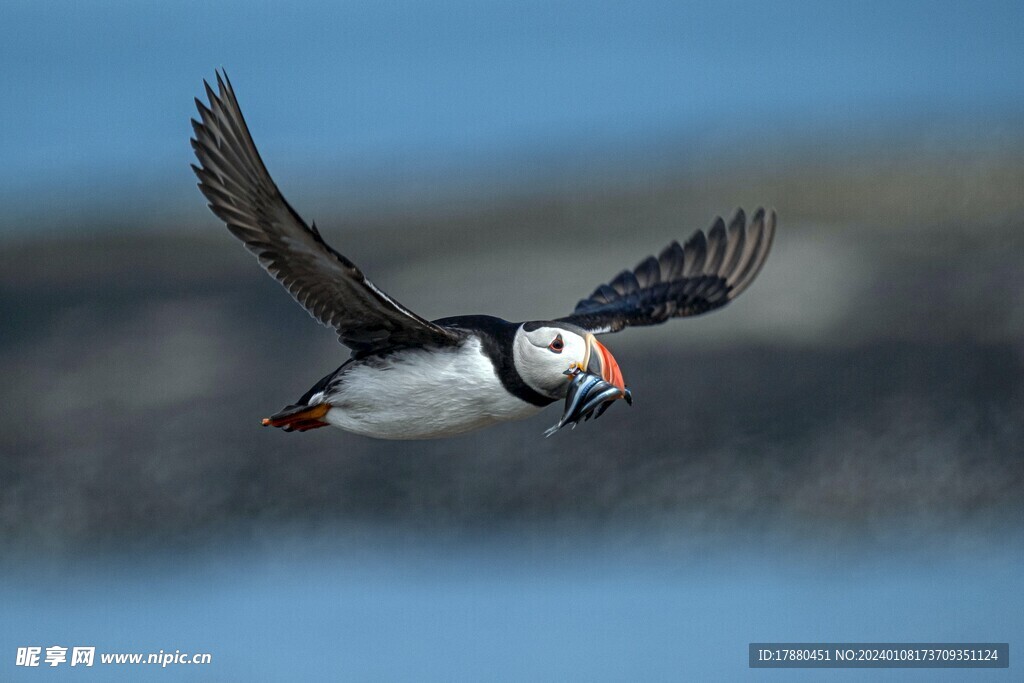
(224, 83)
(210, 95)
(201, 107)
(206, 111)
(739, 217)
(767, 218)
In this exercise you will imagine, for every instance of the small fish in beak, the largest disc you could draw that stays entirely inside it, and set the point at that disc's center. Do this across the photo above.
(588, 393)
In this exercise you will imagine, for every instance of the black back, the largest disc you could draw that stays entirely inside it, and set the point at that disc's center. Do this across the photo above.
(496, 337)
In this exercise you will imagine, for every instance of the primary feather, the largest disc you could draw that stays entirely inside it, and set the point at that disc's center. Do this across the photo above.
(328, 285)
(711, 270)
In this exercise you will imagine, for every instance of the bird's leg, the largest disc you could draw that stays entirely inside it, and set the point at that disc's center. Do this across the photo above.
(299, 418)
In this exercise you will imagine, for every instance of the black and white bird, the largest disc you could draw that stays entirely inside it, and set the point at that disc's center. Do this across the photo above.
(410, 378)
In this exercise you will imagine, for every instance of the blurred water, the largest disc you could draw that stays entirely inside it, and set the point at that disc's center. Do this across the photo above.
(97, 96)
(387, 609)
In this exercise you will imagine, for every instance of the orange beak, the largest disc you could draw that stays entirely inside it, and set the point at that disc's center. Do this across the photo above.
(599, 361)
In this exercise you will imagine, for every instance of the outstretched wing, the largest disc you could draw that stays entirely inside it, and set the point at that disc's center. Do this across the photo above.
(328, 285)
(708, 272)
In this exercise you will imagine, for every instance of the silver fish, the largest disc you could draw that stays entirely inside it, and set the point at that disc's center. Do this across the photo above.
(588, 397)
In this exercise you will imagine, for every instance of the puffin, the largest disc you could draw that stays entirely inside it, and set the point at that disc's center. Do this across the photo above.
(411, 378)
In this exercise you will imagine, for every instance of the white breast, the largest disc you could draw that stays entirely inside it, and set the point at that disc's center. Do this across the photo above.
(423, 394)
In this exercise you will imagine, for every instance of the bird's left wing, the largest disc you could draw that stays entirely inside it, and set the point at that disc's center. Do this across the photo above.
(332, 288)
(706, 273)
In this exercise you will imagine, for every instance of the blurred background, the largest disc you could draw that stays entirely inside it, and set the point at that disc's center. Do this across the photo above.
(836, 456)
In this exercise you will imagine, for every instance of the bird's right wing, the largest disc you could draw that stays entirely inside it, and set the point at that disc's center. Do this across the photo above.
(334, 291)
(708, 272)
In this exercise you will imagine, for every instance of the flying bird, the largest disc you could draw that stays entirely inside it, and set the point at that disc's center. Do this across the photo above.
(411, 378)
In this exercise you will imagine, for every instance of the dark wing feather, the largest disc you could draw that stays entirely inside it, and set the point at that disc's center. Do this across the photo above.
(711, 270)
(328, 285)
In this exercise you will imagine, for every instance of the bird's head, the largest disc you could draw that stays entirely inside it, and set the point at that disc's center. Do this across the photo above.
(544, 352)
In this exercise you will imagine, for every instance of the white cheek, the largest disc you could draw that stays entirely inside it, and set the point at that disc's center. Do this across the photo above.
(540, 368)
(577, 352)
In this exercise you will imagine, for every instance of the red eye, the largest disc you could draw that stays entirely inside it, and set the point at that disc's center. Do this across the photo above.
(557, 345)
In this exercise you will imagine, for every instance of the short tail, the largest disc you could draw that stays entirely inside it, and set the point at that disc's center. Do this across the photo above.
(299, 418)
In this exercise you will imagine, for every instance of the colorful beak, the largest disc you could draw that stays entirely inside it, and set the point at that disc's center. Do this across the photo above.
(599, 361)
